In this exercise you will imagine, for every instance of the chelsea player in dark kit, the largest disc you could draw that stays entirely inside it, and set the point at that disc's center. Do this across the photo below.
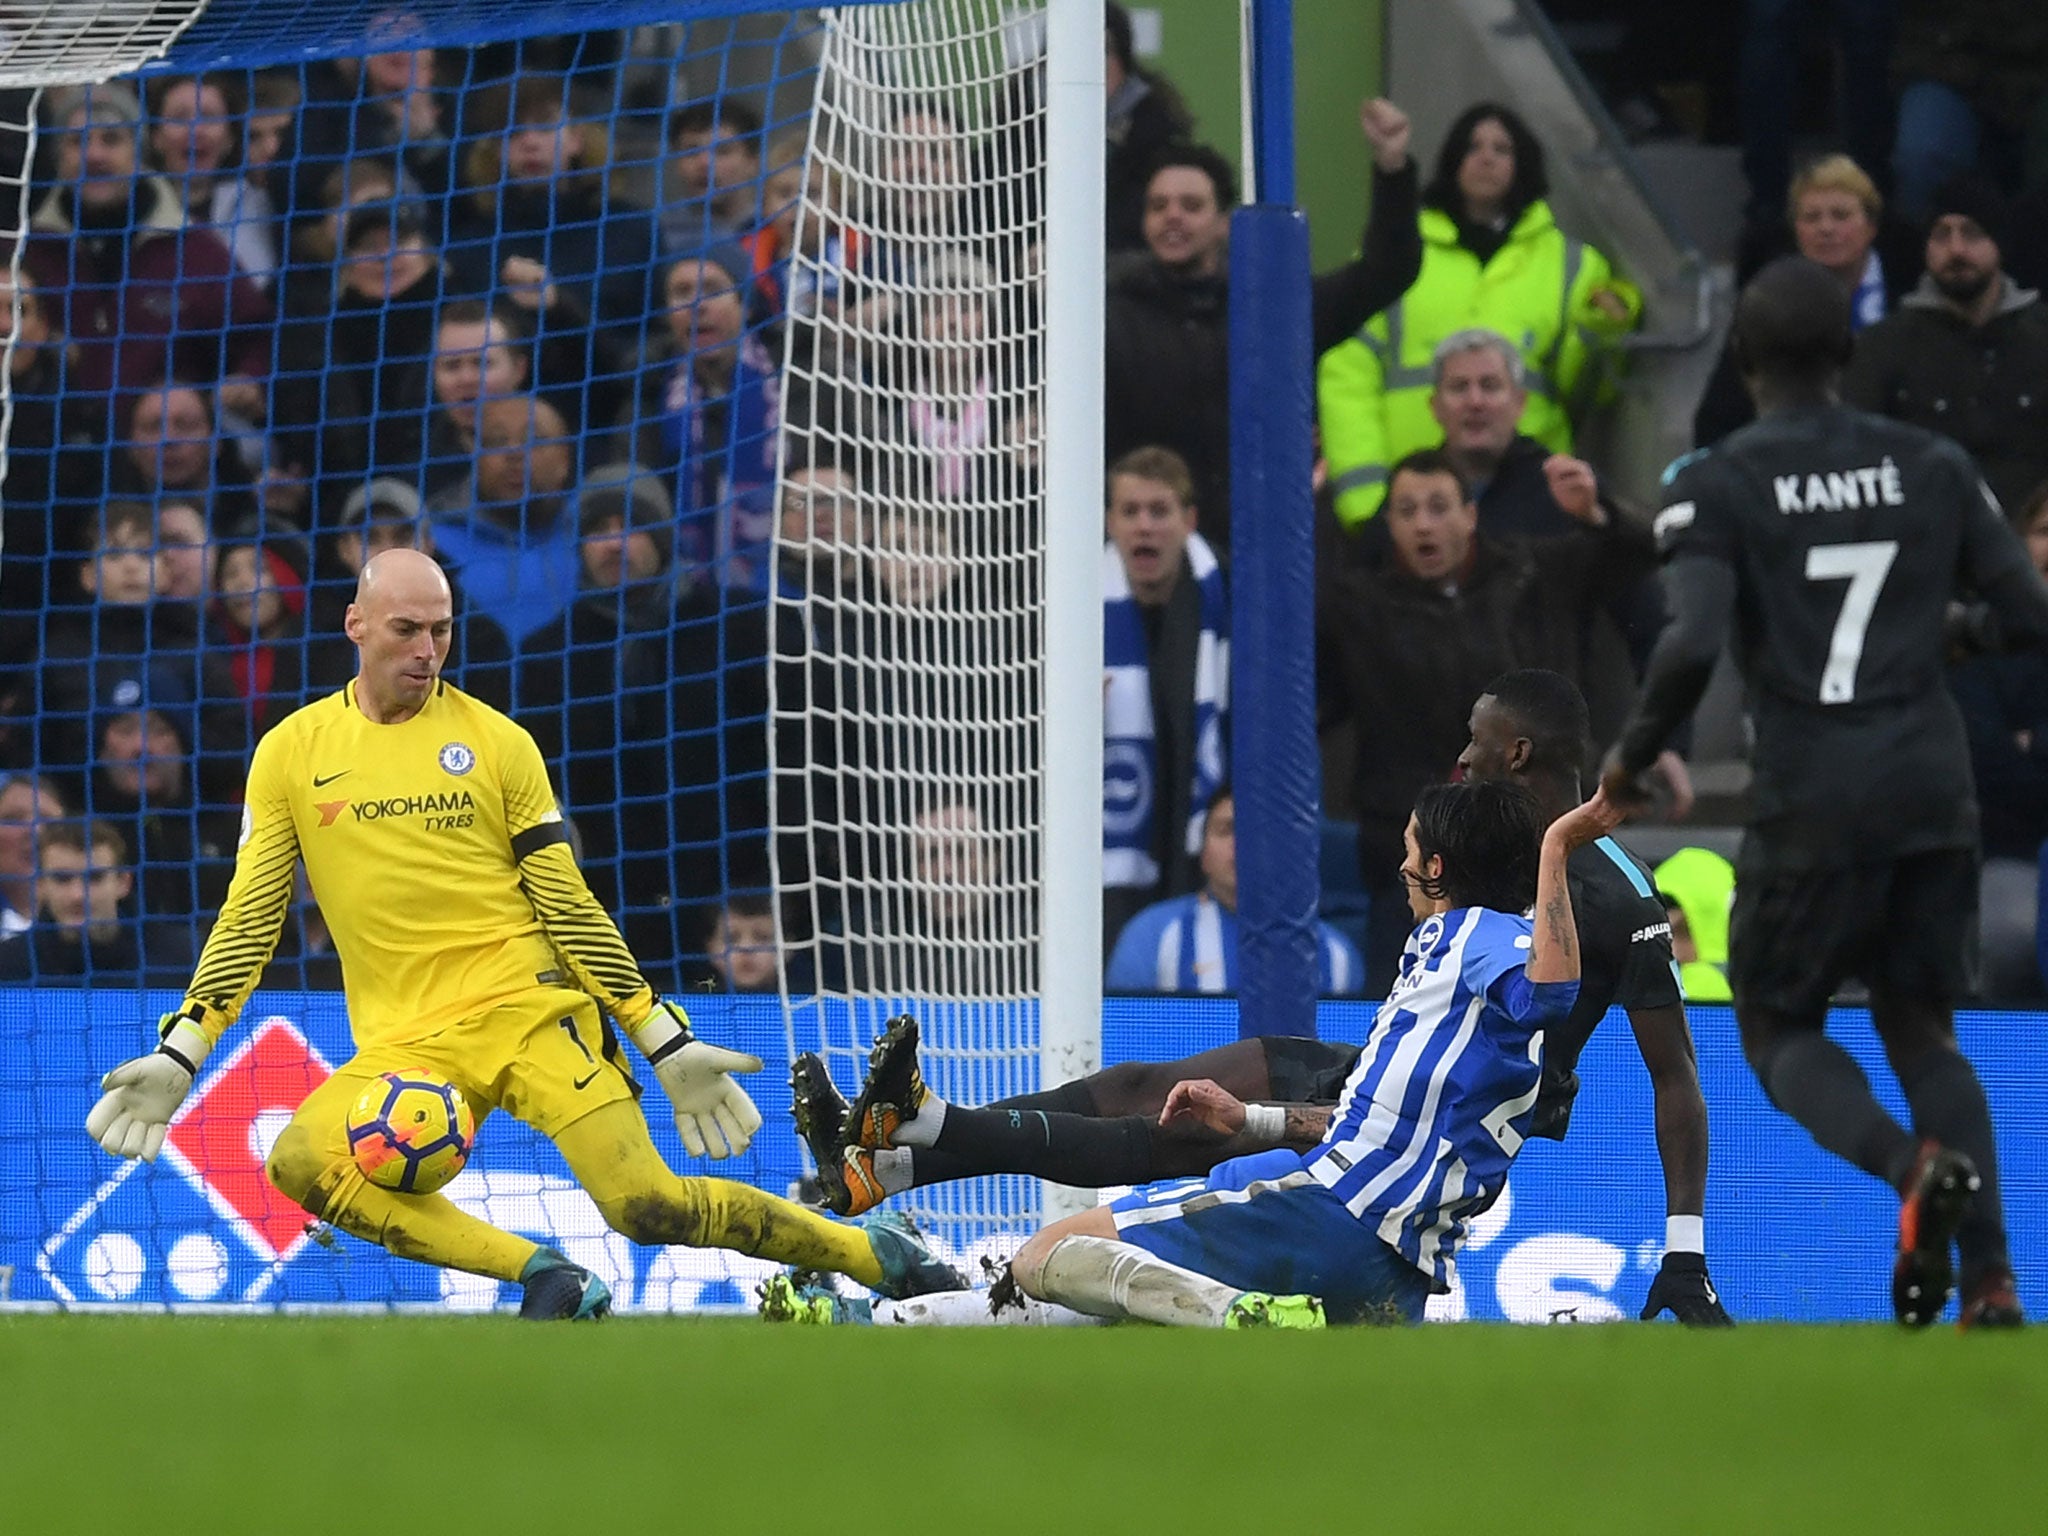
(1367, 1223)
(1834, 546)
(1529, 727)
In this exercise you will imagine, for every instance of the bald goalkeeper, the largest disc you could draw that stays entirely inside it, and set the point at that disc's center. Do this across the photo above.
(470, 947)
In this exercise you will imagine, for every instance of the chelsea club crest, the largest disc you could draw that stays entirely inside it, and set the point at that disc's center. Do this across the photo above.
(457, 759)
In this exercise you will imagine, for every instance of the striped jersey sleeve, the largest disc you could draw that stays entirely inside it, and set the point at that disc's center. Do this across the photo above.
(246, 932)
(581, 931)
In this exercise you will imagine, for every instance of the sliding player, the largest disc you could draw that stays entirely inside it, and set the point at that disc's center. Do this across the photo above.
(1367, 1224)
(1529, 727)
(470, 947)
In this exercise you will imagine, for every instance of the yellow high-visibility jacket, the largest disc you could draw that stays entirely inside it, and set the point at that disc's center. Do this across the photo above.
(1372, 392)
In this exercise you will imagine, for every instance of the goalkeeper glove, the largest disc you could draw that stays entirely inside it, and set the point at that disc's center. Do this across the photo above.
(138, 1098)
(1683, 1288)
(714, 1116)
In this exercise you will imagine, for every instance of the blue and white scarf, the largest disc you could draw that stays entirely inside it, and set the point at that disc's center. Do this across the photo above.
(1130, 755)
(725, 492)
(1866, 305)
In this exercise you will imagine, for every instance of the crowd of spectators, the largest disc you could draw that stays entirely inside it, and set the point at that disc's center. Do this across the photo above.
(269, 323)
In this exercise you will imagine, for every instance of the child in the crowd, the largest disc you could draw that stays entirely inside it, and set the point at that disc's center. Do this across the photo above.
(741, 944)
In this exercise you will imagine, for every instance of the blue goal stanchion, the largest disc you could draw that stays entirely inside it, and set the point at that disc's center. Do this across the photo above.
(1275, 766)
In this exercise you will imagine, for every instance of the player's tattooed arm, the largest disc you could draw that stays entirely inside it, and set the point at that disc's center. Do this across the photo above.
(1564, 933)
(1554, 946)
(1305, 1125)
(1201, 1105)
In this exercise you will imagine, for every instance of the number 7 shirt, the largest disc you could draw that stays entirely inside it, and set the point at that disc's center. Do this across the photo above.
(1830, 543)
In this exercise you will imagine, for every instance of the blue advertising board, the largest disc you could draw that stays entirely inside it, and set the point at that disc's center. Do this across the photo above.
(1792, 1234)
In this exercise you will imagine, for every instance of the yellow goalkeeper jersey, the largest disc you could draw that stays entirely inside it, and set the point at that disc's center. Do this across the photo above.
(440, 862)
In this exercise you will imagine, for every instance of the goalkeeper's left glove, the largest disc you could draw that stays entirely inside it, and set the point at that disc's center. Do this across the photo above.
(714, 1116)
(1684, 1289)
(138, 1098)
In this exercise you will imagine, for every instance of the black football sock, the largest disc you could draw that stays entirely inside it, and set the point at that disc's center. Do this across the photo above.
(1068, 1149)
(1183, 1152)
(1818, 1084)
(928, 1165)
(1073, 1098)
(1948, 1105)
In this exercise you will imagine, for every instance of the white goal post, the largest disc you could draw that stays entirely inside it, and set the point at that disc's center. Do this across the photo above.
(960, 396)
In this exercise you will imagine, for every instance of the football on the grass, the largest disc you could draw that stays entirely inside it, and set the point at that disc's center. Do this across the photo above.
(411, 1131)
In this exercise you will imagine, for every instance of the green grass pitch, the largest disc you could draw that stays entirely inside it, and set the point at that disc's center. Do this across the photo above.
(414, 1426)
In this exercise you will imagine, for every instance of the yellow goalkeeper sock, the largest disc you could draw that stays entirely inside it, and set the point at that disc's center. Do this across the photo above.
(430, 1228)
(614, 1160)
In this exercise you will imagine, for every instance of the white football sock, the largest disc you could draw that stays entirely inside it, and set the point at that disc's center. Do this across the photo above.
(1105, 1278)
(970, 1309)
(924, 1130)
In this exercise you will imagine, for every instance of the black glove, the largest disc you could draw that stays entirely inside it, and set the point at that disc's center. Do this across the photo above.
(1554, 1105)
(1686, 1291)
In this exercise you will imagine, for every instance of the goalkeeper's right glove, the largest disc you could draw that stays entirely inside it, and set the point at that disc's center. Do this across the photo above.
(138, 1098)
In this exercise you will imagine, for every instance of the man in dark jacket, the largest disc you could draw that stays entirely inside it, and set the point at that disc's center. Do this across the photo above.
(1166, 374)
(83, 933)
(1524, 491)
(1406, 643)
(1966, 354)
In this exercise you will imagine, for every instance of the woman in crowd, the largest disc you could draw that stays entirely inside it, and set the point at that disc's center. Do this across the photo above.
(1494, 257)
(484, 351)
(949, 406)
(1837, 219)
(196, 139)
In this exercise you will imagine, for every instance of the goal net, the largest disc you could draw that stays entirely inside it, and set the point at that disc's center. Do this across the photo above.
(913, 539)
(708, 352)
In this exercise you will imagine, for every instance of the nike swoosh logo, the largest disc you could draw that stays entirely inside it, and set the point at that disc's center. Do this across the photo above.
(585, 1082)
(322, 783)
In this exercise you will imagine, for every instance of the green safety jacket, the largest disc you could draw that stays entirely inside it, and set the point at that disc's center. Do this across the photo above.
(1372, 391)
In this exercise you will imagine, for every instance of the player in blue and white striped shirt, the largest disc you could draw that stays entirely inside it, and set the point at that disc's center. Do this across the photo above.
(1440, 1101)
(1369, 1221)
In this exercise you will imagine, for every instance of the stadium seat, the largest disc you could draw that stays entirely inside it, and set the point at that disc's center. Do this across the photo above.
(1345, 906)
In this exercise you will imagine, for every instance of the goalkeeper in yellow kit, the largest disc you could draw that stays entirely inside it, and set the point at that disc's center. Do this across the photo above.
(470, 947)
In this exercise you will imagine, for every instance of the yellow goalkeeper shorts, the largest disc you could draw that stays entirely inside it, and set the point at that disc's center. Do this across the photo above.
(546, 1057)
